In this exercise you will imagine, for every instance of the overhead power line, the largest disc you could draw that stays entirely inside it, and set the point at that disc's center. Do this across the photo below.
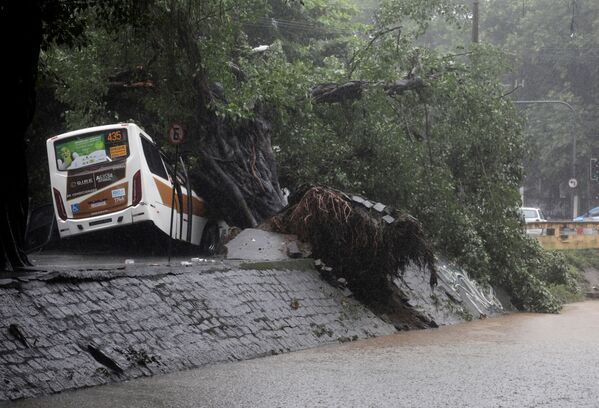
(289, 25)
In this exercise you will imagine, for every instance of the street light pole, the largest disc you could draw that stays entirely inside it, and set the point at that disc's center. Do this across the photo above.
(475, 21)
(573, 131)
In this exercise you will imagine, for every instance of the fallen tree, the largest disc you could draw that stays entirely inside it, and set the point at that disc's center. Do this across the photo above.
(366, 243)
(353, 90)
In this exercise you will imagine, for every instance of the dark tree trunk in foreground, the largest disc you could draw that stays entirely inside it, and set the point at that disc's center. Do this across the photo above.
(20, 48)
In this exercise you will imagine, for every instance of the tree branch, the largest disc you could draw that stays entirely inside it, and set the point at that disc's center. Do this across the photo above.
(352, 62)
(333, 93)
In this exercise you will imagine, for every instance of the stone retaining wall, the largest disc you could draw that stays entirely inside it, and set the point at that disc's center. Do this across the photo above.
(68, 329)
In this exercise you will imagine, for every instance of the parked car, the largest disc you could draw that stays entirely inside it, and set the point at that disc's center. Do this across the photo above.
(591, 215)
(532, 214)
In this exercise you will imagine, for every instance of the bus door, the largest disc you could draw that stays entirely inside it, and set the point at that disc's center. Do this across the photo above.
(164, 180)
(189, 201)
(182, 196)
(188, 206)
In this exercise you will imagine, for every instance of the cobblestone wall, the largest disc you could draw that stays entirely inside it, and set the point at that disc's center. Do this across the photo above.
(69, 329)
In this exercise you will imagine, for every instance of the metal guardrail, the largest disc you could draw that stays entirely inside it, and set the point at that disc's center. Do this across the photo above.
(565, 234)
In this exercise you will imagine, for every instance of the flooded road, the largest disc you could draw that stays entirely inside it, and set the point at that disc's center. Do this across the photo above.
(520, 360)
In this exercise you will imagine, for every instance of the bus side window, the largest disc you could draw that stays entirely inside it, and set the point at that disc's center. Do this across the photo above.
(153, 158)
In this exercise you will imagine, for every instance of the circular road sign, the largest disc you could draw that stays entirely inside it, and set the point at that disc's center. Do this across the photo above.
(176, 134)
(572, 183)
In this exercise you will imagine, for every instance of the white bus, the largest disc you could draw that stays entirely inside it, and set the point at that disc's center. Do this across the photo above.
(109, 176)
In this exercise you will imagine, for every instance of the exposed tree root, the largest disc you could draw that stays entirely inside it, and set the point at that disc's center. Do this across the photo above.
(366, 246)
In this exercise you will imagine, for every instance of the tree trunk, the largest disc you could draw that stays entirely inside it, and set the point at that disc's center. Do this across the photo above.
(19, 93)
(236, 173)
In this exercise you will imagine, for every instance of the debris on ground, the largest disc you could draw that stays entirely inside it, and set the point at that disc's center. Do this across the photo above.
(103, 359)
(17, 332)
(259, 244)
(293, 250)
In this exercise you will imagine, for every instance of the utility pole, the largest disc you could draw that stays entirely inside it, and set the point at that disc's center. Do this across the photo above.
(574, 184)
(475, 21)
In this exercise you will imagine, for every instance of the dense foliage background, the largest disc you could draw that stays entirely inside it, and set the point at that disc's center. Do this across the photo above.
(450, 151)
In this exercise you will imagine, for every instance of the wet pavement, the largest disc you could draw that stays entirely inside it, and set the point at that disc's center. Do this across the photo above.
(519, 360)
(140, 244)
(62, 259)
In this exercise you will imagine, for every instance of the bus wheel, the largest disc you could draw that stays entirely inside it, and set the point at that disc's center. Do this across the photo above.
(210, 239)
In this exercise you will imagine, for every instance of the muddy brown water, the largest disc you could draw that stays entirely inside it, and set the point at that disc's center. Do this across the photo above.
(518, 360)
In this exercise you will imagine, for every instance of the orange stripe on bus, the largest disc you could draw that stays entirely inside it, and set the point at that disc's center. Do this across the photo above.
(166, 195)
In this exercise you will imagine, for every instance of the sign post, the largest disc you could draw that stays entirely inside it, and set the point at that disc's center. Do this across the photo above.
(176, 134)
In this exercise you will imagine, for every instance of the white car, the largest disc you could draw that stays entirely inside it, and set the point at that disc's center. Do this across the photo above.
(532, 214)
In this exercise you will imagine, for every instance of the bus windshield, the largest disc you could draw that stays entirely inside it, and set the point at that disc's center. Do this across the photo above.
(91, 148)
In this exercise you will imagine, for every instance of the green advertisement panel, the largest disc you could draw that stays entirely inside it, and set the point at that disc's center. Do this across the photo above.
(80, 152)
